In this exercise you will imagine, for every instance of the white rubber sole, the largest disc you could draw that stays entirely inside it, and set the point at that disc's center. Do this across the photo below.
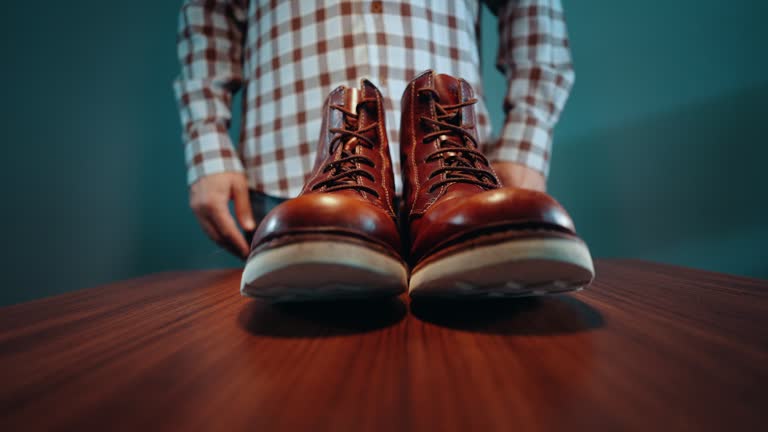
(515, 268)
(322, 270)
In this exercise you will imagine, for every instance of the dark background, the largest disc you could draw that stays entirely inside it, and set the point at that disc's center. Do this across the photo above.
(660, 153)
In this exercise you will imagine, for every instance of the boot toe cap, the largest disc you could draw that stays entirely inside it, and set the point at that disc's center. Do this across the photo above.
(505, 208)
(331, 214)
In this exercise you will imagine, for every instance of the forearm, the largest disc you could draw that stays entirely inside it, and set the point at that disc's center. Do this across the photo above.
(535, 58)
(209, 46)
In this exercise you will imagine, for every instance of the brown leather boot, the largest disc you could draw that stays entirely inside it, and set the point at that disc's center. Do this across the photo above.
(339, 238)
(468, 235)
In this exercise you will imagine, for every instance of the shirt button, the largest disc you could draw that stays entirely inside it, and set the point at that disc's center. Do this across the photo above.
(376, 7)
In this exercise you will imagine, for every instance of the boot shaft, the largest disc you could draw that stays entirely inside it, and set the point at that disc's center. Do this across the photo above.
(353, 151)
(439, 145)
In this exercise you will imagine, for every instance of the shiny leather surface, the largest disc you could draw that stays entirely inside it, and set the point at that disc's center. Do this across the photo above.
(365, 209)
(456, 209)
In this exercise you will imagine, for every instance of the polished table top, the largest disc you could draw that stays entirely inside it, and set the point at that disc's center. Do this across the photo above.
(646, 347)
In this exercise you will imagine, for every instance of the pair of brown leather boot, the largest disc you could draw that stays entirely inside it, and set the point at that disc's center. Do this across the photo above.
(459, 232)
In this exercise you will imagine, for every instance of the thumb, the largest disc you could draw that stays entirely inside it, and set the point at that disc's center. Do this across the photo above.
(243, 208)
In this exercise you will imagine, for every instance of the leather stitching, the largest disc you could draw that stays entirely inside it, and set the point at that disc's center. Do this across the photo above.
(474, 121)
(414, 166)
(382, 139)
(360, 120)
(437, 147)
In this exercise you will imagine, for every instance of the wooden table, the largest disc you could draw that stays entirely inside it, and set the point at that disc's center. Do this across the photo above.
(647, 347)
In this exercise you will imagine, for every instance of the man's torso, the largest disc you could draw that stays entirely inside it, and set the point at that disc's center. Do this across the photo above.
(294, 56)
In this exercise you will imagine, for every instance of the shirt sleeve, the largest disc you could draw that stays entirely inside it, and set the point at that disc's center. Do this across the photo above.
(210, 49)
(536, 60)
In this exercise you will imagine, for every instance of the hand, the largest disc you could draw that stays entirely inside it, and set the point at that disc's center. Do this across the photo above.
(513, 174)
(209, 198)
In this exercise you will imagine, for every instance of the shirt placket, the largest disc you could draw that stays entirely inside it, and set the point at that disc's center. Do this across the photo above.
(373, 19)
(361, 52)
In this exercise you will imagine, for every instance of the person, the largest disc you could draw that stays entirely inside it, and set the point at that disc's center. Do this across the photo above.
(286, 55)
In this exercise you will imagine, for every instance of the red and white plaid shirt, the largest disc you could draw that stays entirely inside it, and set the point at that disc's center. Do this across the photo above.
(287, 55)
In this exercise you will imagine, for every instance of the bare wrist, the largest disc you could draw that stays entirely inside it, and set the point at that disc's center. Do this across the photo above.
(514, 174)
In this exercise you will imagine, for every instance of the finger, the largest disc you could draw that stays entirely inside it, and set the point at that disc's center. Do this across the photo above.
(217, 237)
(242, 206)
(227, 228)
(208, 223)
(208, 227)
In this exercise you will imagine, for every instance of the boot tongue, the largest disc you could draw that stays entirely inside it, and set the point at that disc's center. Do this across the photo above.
(448, 89)
(351, 98)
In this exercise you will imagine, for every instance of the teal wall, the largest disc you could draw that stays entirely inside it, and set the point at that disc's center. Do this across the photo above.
(661, 151)
(659, 154)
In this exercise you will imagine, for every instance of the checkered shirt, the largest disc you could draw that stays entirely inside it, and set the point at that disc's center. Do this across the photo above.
(287, 55)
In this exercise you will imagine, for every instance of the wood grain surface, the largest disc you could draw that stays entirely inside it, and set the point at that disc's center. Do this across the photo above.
(647, 347)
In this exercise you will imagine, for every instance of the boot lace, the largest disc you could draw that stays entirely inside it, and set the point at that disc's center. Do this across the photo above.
(343, 172)
(463, 163)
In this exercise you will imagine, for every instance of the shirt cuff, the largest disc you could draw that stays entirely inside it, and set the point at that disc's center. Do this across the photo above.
(523, 140)
(209, 150)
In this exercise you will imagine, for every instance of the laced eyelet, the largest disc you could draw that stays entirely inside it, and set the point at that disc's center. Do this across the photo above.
(457, 147)
(345, 170)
